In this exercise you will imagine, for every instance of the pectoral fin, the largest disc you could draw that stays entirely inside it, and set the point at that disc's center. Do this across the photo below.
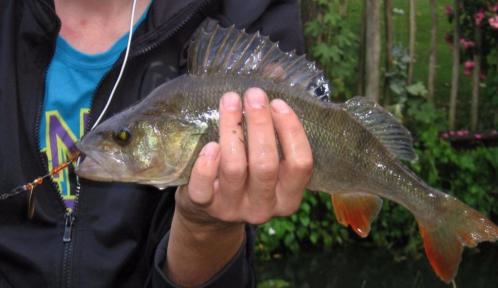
(357, 210)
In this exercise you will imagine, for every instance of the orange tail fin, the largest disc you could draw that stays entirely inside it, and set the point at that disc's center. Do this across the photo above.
(458, 226)
(357, 210)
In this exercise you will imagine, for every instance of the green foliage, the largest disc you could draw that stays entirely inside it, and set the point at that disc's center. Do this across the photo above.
(492, 94)
(335, 47)
(397, 81)
(312, 226)
(417, 89)
(490, 97)
(397, 77)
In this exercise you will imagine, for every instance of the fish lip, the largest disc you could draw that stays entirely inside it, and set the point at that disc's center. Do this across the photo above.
(92, 163)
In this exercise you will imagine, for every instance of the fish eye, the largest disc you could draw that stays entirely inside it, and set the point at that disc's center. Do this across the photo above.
(122, 137)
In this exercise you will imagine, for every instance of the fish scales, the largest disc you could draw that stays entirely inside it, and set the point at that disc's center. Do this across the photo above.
(357, 145)
(329, 128)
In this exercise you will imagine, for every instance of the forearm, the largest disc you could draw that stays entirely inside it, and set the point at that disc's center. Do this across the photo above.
(196, 252)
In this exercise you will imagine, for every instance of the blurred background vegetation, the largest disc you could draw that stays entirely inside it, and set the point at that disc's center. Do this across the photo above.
(434, 65)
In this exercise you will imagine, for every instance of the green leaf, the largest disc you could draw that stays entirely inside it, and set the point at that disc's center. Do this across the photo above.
(305, 207)
(314, 238)
(305, 221)
(417, 89)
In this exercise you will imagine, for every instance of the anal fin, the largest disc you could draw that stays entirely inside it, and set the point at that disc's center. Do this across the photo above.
(357, 210)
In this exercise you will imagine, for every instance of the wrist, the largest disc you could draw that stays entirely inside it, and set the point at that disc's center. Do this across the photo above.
(199, 250)
(202, 230)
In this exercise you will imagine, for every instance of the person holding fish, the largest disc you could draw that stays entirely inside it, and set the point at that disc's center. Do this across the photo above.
(59, 61)
(223, 113)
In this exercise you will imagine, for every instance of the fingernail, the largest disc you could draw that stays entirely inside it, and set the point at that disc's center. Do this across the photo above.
(280, 106)
(210, 150)
(231, 101)
(256, 98)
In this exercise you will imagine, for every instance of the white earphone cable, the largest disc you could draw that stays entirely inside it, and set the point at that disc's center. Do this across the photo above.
(113, 91)
(127, 52)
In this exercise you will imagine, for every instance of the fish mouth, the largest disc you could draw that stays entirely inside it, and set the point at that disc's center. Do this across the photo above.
(92, 168)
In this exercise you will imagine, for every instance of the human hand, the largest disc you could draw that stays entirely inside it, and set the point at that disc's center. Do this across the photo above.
(229, 187)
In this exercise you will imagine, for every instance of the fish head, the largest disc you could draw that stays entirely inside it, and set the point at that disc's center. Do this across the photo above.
(146, 147)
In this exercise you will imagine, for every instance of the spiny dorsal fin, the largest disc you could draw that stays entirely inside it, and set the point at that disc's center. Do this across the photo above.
(357, 210)
(217, 50)
(383, 126)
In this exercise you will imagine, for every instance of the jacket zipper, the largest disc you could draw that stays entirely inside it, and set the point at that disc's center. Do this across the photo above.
(69, 217)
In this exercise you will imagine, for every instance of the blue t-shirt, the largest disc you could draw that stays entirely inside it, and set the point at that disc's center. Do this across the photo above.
(71, 80)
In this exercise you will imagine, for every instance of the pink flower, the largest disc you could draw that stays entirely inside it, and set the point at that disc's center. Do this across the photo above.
(445, 135)
(468, 66)
(466, 44)
(478, 17)
(493, 22)
(478, 136)
(449, 10)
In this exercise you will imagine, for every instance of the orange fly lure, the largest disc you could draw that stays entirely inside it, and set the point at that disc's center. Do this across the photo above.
(29, 187)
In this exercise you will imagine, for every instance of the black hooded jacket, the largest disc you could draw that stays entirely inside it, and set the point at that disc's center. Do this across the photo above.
(118, 234)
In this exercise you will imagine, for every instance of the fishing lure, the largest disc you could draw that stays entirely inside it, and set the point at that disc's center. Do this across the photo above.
(30, 187)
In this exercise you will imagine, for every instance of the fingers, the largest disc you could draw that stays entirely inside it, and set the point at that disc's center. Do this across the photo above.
(296, 167)
(262, 150)
(232, 185)
(204, 173)
(233, 165)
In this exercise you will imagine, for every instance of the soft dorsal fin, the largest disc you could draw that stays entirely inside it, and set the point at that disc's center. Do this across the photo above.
(357, 210)
(383, 126)
(216, 50)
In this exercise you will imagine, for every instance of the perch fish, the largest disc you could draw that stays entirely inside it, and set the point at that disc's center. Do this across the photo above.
(357, 145)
